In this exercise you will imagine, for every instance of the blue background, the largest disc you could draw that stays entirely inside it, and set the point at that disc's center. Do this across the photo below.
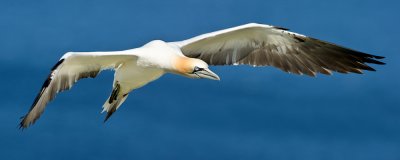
(253, 113)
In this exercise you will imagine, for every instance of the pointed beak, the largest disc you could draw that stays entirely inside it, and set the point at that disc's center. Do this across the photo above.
(206, 73)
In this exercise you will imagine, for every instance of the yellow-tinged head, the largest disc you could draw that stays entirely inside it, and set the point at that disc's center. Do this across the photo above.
(194, 68)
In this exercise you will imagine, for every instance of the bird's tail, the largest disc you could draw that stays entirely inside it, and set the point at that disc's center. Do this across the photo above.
(114, 101)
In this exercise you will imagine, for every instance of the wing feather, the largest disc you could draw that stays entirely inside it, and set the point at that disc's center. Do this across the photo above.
(72, 67)
(264, 45)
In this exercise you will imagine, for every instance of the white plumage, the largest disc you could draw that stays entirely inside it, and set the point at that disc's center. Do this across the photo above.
(250, 44)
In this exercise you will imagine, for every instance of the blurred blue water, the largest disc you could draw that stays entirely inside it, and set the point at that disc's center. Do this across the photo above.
(253, 113)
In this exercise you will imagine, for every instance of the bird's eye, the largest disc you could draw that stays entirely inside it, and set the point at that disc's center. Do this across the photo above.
(196, 69)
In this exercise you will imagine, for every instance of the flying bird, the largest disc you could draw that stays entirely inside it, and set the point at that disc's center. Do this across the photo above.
(250, 44)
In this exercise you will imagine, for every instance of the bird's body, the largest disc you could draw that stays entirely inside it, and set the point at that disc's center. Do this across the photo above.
(250, 44)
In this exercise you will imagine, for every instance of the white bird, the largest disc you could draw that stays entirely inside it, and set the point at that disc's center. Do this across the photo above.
(250, 44)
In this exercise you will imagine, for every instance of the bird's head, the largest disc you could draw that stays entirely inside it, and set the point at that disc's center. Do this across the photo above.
(194, 68)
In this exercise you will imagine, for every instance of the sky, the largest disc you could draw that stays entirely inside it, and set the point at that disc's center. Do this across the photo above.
(252, 113)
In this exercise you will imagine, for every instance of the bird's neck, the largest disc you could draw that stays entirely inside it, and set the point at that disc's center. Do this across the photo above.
(163, 56)
(183, 64)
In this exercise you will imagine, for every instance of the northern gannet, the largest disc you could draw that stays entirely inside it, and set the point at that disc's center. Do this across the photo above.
(250, 44)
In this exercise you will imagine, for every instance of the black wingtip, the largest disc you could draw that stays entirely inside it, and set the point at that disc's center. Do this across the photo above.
(381, 63)
(373, 61)
(379, 57)
(371, 69)
(107, 117)
(109, 114)
(22, 125)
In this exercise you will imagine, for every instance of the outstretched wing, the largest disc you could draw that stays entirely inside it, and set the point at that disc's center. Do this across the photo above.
(264, 45)
(72, 67)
